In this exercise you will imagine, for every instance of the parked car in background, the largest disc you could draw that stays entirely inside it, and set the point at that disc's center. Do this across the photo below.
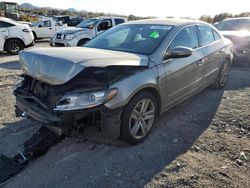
(86, 30)
(238, 31)
(75, 21)
(123, 78)
(9, 10)
(63, 19)
(14, 36)
(46, 28)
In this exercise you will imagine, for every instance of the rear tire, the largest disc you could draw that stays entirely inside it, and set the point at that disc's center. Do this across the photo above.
(13, 46)
(138, 118)
(223, 76)
(82, 42)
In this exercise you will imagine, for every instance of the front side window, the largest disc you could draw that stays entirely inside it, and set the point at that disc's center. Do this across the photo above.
(104, 25)
(46, 24)
(187, 37)
(139, 39)
(118, 21)
(206, 35)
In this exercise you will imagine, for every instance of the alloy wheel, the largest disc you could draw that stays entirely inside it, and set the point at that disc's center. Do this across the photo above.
(142, 118)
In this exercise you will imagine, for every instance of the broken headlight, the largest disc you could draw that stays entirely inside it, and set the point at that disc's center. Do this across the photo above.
(84, 100)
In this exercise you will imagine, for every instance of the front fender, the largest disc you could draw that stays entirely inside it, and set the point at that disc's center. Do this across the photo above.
(130, 86)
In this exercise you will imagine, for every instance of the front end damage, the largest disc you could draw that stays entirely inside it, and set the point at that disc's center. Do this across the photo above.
(78, 103)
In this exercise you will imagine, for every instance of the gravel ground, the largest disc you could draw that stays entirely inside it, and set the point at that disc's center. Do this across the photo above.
(204, 142)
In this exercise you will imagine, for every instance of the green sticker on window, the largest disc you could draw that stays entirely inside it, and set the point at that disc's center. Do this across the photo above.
(154, 35)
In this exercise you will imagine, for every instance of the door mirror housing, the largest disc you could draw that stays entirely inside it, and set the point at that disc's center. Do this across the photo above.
(40, 26)
(178, 52)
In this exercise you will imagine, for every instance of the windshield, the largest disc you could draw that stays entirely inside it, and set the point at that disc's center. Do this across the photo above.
(11, 8)
(139, 39)
(34, 24)
(88, 23)
(234, 25)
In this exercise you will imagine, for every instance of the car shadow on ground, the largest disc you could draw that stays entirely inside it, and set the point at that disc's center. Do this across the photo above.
(12, 65)
(88, 164)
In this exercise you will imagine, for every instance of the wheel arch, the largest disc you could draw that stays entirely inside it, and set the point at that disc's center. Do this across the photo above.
(150, 89)
(82, 39)
(13, 38)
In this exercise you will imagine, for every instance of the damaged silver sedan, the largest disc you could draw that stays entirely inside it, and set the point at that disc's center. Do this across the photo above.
(124, 78)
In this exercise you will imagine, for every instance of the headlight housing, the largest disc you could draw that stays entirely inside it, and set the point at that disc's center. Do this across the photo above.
(84, 100)
(69, 36)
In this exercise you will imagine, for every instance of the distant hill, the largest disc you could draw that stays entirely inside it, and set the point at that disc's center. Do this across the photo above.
(72, 10)
(28, 6)
(32, 7)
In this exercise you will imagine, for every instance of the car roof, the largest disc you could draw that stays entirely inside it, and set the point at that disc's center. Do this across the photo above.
(238, 18)
(109, 17)
(173, 22)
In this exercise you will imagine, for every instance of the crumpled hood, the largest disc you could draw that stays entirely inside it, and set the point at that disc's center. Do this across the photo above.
(56, 66)
(71, 30)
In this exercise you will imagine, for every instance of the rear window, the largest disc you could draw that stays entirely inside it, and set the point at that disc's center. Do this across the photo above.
(5, 24)
(119, 21)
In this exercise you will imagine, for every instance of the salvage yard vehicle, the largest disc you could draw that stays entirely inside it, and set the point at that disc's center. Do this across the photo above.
(14, 36)
(238, 31)
(46, 28)
(123, 78)
(86, 30)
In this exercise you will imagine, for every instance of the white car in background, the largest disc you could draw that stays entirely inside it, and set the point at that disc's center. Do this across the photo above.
(83, 32)
(46, 28)
(14, 36)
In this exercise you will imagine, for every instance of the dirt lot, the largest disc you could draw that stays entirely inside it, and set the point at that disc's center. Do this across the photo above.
(205, 142)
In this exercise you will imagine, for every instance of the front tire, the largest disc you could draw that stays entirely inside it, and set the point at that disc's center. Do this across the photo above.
(223, 76)
(13, 46)
(138, 118)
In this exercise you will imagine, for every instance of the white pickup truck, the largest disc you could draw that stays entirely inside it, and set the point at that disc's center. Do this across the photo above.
(14, 36)
(46, 28)
(83, 32)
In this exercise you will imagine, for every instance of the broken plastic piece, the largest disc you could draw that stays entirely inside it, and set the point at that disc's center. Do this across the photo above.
(36, 146)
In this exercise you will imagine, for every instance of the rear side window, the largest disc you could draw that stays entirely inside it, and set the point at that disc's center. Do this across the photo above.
(119, 21)
(5, 24)
(206, 35)
(216, 35)
(187, 37)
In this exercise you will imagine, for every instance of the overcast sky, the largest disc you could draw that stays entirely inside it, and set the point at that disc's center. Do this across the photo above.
(158, 8)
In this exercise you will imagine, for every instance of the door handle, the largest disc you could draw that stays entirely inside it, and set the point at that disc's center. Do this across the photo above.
(50, 28)
(201, 62)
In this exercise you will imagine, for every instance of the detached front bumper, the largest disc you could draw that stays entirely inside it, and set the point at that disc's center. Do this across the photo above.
(109, 119)
(34, 111)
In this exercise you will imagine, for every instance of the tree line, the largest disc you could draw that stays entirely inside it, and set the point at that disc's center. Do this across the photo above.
(222, 16)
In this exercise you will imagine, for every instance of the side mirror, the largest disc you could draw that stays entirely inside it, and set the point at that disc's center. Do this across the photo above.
(40, 26)
(179, 52)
